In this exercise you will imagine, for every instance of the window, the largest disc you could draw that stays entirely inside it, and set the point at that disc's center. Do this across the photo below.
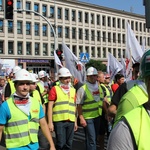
(114, 37)
(123, 38)
(37, 49)
(119, 53)
(119, 38)
(118, 22)
(87, 49)
(86, 34)
(28, 48)
(140, 26)
(93, 51)
(80, 33)
(52, 11)
(132, 25)
(10, 26)
(99, 52)
(136, 26)
(19, 48)
(52, 49)
(123, 53)
(114, 22)
(104, 36)
(59, 13)
(45, 50)
(28, 7)
(52, 33)
(80, 16)
(10, 47)
(19, 27)
(1, 47)
(98, 35)
(98, 19)
(109, 36)
(86, 17)
(66, 14)
(104, 52)
(19, 4)
(44, 10)
(109, 50)
(104, 20)
(74, 49)
(73, 33)
(114, 52)
(123, 24)
(92, 35)
(36, 29)
(92, 18)
(59, 31)
(109, 22)
(36, 7)
(1, 5)
(73, 15)
(80, 49)
(66, 32)
(1, 25)
(44, 29)
(28, 28)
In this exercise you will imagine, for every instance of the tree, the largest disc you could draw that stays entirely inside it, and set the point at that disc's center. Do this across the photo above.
(96, 64)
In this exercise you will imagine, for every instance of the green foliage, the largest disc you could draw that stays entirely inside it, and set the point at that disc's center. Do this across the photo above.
(96, 64)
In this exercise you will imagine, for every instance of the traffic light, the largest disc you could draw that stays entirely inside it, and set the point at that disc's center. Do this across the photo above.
(9, 9)
(59, 54)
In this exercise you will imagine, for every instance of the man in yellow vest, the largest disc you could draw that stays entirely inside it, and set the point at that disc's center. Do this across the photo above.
(62, 110)
(90, 100)
(132, 131)
(21, 116)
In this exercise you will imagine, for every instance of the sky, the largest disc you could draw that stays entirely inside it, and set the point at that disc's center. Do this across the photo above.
(136, 6)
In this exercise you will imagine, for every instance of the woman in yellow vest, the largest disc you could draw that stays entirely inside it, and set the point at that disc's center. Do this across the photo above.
(133, 131)
(21, 115)
(62, 110)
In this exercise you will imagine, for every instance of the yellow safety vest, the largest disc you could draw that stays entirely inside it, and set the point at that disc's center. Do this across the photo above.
(139, 122)
(12, 87)
(37, 96)
(64, 106)
(19, 130)
(91, 108)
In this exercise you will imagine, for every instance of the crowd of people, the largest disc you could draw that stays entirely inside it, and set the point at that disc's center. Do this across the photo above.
(33, 107)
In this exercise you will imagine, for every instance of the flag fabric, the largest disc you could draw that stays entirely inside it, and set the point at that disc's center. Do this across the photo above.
(57, 60)
(113, 66)
(76, 68)
(123, 71)
(132, 45)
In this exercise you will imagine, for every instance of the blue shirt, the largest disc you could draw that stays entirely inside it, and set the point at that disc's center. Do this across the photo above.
(5, 116)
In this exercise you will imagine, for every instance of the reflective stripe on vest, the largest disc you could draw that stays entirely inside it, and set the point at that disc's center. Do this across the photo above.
(20, 131)
(91, 108)
(64, 106)
(139, 122)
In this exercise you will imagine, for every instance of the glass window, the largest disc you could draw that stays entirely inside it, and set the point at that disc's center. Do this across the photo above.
(80, 16)
(28, 48)
(19, 27)
(52, 49)
(66, 32)
(10, 26)
(74, 49)
(73, 33)
(86, 17)
(73, 15)
(114, 52)
(52, 11)
(28, 7)
(109, 21)
(93, 51)
(98, 19)
(1, 25)
(19, 4)
(118, 22)
(98, 35)
(114, 22)
(36, 29)
(86, 34)
(10, 47)
(119, 38)
(123, 24)
(92, 35)
(92, 18)
(45, 50)
(114, 37)
(44, 10)
(87, 49)
(1, 47)
(59, 13)
(59, 31)
(109, 36)
(123, 38)
(52, 33)
(37, 49)
(66, 14)
(104, 20)
(104, 52)
(44, 29)
(104, 36)
(80, 33)
(28, 28)
(19, 48)
(1, 5)
(36, 7)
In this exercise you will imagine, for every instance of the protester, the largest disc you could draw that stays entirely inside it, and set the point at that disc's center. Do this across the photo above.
(132, 131)
(21, 116)
(2, 86)
(90, 100)
(62, 110)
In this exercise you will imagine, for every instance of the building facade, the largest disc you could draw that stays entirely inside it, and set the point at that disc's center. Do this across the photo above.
(31, 41)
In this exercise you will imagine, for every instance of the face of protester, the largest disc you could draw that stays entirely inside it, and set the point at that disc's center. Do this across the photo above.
(33, 86)
(101, 78)
(135, 72)
(22, 88)
(2, 82)
(107, 80)
(65, 80)
(121, 80)
(92, 79)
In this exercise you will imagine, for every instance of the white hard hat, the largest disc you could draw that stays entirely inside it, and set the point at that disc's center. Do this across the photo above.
(42, 74)
(91, 71)
(33, 77)
(15, 69)
(64, 72)
(22, 75)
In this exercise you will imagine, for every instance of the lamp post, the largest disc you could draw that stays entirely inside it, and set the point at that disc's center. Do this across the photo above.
(55, 36)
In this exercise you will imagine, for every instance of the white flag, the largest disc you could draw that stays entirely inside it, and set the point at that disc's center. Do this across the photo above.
(113, 66)
(57, 60)
(76, 68)
(132, 45)
(123, 71)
